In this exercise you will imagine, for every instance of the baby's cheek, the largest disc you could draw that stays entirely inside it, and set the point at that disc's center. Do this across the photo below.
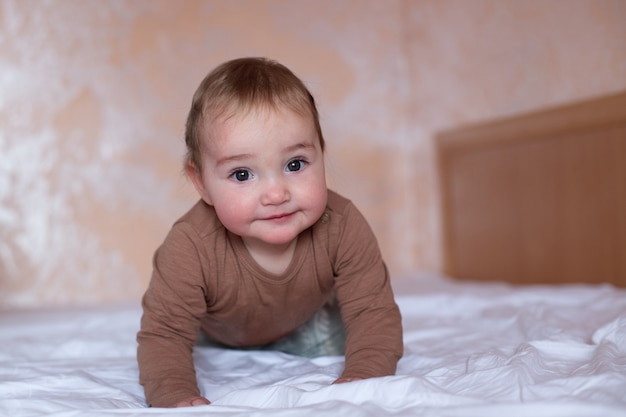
(234, 216)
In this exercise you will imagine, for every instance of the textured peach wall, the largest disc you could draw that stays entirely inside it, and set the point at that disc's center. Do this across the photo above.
(93, 97)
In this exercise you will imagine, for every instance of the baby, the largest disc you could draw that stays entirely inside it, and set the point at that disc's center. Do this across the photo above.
(269, 258)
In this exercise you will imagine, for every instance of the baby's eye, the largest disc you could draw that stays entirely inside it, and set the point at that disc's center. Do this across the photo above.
(295, 165)
(241, 175)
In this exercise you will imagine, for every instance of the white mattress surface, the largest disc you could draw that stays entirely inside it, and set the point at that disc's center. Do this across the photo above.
(470, 350)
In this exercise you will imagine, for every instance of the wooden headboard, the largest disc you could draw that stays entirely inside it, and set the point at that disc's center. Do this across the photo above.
(538, 198)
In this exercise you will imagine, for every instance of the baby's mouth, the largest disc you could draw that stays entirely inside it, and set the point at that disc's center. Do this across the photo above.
(279, 217)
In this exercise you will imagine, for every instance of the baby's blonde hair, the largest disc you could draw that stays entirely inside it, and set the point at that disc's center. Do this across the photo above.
(241, 85)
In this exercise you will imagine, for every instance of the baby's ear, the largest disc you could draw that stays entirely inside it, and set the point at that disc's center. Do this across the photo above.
(194, 174)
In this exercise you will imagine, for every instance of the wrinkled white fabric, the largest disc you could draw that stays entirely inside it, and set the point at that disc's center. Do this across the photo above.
(471, 350)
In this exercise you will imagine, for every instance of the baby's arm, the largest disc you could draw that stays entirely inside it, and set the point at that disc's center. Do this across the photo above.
(368, 309)
(374, 332)
(166, 367)
(172, 307)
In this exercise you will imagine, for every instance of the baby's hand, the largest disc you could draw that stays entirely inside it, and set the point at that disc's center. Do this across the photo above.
(342, 380)
(192, 402)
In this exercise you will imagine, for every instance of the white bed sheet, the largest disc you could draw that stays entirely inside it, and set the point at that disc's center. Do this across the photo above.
(470, 350)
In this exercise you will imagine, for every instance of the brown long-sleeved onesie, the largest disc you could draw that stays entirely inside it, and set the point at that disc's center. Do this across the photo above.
(204, 278)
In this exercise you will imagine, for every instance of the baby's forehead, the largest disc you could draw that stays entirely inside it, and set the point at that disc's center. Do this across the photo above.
(218, 122)
(233, 114)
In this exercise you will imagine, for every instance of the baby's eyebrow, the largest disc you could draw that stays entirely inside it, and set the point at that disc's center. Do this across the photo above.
(233, 158)
(297, 146)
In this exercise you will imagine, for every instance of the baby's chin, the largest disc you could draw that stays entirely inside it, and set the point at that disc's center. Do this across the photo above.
(283, 234)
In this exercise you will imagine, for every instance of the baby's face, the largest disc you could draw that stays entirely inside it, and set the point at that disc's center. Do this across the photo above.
(264, 173)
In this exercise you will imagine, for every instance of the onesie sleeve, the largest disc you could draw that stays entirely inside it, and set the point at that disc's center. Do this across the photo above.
(369, 312)
(172, 307)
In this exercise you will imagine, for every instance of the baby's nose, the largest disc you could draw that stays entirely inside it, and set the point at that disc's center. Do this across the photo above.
(275, 192)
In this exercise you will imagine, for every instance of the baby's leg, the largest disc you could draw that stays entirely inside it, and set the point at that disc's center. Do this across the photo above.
(323, 335)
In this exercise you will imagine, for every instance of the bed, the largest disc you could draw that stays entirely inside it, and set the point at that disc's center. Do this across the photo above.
(527, 320)
(486, 349)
